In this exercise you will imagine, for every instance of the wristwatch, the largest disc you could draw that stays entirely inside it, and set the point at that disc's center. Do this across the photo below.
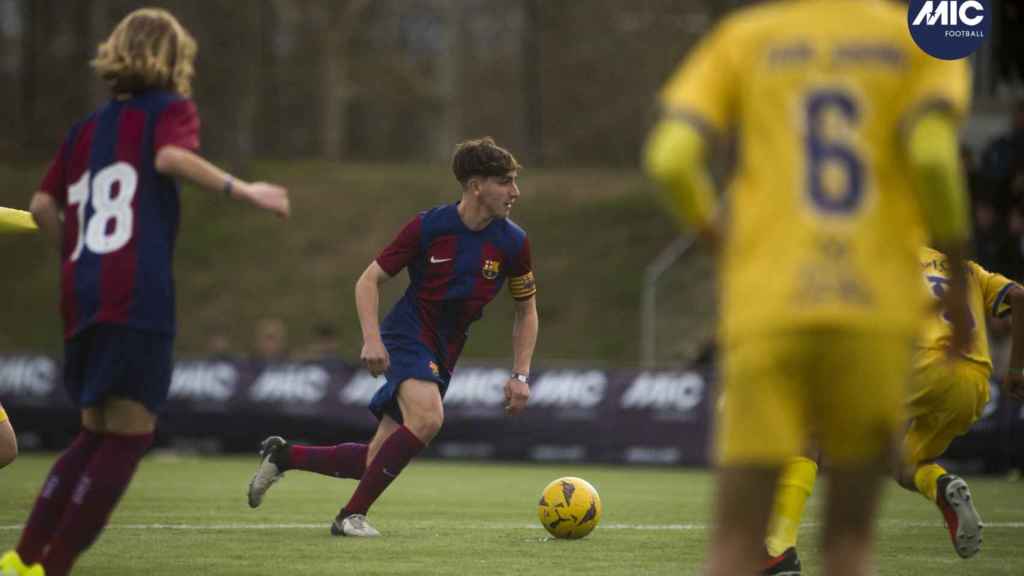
(524, 378)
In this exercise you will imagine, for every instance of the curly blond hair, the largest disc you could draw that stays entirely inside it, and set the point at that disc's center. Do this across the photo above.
(149, 48)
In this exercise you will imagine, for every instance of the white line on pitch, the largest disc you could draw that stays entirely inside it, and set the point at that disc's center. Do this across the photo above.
(493, 526)
(322, 526)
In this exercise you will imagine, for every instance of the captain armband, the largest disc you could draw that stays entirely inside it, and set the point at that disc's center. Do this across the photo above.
(522, 287)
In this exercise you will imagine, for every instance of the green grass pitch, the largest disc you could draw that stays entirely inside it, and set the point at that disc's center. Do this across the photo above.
(189, 516)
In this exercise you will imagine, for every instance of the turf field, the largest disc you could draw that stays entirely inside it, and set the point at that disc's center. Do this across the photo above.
(189, 516)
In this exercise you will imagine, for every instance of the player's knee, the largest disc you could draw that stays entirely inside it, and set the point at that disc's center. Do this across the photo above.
(432, 424)
(127, 417)
(6, 457)
(8, 449)
(426, 425)
(963, 416)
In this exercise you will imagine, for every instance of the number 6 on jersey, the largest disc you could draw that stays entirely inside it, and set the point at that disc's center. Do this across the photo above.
(828, 152)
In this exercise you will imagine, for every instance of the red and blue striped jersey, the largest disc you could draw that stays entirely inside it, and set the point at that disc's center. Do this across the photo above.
(120, 214)
(453, 273)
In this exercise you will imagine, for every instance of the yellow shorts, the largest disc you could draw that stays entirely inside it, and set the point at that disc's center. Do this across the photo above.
(945, 398)
(849, 387)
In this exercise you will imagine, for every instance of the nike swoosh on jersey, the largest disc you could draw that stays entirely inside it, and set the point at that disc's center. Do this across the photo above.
(438, 260)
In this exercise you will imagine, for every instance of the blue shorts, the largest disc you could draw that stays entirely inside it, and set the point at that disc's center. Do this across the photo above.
(107, 360)
(407, 361)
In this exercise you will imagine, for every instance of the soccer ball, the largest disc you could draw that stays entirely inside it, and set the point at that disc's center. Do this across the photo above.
(569, 508)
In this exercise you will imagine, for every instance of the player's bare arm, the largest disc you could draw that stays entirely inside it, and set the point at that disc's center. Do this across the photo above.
(374, 355)
(525, 326)
(1014, 383)
(182, 163)
(955, 302)
(46, 214)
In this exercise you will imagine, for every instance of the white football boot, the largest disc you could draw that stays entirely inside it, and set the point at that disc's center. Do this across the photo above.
(267, 472)
(962, 519)
(353, 525)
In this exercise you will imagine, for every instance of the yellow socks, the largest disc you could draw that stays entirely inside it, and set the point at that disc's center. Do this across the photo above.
(794, 488)
(926, 479)
(10, 563)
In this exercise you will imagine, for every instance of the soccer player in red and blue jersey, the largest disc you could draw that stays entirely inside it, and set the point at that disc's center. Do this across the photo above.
(110, 204)
(458, 256)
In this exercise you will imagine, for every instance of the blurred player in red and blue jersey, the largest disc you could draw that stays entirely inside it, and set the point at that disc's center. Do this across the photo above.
(109, 202)
(458, 256)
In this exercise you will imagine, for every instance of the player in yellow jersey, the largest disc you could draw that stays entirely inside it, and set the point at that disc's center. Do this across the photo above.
(11, 221)
(847, 156)
(8, 441)
(946, 397)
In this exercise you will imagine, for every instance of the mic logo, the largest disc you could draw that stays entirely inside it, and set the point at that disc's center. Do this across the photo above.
(946, 13)
(948, 29)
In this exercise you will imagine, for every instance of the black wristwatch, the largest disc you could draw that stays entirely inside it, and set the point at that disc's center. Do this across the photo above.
(524, 378)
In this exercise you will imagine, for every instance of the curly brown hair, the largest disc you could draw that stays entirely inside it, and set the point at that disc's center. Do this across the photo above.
(149, 48)
(481, 157)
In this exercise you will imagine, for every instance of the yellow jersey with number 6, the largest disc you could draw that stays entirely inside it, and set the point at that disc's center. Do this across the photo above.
(986, 296)
(823, 224)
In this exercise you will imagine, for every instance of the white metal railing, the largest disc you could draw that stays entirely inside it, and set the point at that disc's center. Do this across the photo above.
(649, 315)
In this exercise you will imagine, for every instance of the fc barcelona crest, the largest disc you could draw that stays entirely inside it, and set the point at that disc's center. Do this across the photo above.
(491, 269)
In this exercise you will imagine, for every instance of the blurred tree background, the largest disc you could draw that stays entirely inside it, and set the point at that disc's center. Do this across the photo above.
(355, 105)
(384, 80)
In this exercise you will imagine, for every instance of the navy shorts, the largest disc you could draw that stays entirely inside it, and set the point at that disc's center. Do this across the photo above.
(107, 360)
(407, 361)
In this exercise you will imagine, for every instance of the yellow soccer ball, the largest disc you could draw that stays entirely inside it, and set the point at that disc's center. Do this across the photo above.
(569, 508)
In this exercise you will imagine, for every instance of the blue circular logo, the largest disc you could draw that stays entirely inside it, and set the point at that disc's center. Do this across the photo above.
(948, 29)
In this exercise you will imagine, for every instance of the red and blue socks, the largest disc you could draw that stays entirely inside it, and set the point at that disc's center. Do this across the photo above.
(53, 498)
(96, 494)
(340, 461)
(394, 454)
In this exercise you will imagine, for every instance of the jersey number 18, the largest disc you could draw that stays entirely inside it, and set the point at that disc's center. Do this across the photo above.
(110, 226)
